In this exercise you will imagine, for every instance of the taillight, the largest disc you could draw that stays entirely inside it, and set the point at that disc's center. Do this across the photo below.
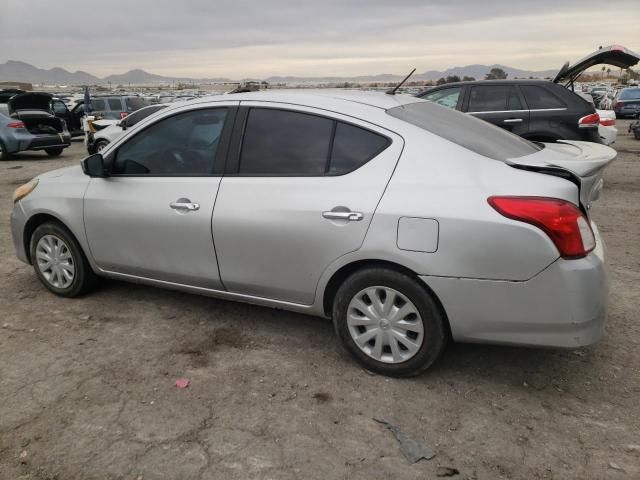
(589, 121)
(16, 125)
(562, 221)
(607, 122)
(123, 114)
(618, 105)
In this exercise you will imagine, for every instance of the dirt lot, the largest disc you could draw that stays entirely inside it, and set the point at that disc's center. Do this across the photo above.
(87, 385)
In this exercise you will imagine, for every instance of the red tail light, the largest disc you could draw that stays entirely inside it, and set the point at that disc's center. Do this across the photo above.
(123, 114)
(16, 125)
(607, 122)
(618, 105)
(589, 121)
(562, 221)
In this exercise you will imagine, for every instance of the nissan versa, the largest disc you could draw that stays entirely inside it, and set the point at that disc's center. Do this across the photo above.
(406, 222)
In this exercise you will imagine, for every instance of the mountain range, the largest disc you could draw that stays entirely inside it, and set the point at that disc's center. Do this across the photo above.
(15, 71)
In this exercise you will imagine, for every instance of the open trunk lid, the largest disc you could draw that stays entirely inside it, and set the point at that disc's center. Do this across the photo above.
(615, 55)
(581, 162)
(29, 101)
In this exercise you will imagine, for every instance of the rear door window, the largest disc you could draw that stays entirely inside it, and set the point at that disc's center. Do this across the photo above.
(285, 143)
(98, 104)
(447, 97)
(539, 98)
(489, 98)
(115, 104)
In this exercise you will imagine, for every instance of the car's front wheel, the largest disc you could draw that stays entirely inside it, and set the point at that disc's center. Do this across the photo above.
(59, 261)
(388, 322)
(100, 145)
(54, 152)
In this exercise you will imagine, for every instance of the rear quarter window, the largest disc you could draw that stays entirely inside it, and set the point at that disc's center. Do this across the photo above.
(465, 130)
(539, 98)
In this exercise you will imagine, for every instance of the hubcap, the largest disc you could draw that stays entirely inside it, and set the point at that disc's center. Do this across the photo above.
(55, 262)
(385, 324)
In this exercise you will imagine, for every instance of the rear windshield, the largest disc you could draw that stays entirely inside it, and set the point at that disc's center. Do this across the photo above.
(630, 94)
(469, 132)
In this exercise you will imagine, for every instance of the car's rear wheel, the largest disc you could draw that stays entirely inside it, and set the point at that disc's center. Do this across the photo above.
(4, 155)
(54, 152)
(59, 261)
(388, 322)
(100, 145)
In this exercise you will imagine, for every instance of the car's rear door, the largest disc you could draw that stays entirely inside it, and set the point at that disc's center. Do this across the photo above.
(301, 189)
(152, 217)
(500, 104)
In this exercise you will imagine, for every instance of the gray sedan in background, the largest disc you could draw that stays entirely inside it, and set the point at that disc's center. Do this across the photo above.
(407, 223)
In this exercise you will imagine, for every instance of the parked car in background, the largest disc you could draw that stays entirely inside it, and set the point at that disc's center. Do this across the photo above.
(396, 217)
(113, 107)
(627, 102)
(27, 123)
(535, 109)
(55, 105)
(102, 137)
(607, 129)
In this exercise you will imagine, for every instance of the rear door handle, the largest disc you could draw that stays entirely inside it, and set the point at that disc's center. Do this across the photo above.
(185, 206)
(349, 216)
(512, 120)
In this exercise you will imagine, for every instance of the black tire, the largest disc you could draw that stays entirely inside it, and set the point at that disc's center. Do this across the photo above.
(84, 278)
(99, 145)
(54, 152)
(4, 155)
(435, 333)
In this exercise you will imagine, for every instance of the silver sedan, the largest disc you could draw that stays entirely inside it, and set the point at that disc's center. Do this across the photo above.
(407, 223)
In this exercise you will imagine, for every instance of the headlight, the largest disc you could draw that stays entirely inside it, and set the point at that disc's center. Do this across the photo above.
(24, 190)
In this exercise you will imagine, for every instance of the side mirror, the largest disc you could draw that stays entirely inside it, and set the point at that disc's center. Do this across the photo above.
(123, 124)
(94, 166)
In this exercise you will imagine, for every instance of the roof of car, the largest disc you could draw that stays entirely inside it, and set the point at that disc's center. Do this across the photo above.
(312, 96)
(493, 82)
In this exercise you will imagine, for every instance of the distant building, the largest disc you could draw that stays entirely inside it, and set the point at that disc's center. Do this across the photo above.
(16, 85)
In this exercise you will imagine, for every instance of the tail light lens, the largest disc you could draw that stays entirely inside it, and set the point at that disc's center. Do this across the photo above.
(618, 105)
(608, 122)
(589, 121)
(562, 221)
(16, 125)
(123, 114)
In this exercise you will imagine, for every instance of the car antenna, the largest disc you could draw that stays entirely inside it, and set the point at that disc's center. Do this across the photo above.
(395, 89)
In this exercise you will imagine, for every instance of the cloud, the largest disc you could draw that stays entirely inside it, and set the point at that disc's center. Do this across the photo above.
(280, 37)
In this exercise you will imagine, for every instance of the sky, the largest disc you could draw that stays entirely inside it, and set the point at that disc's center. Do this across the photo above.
(239, 39)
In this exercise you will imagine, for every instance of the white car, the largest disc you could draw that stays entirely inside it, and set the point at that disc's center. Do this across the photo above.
(110, 130)
(607, 128)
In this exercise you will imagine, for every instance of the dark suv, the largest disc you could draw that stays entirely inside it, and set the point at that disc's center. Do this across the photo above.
(112, 107)
(535, 109)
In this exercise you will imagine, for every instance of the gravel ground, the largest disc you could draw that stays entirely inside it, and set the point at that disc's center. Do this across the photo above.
(87, 385)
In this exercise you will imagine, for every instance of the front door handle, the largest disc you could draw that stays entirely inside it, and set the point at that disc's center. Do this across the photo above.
(349, 216)
(512, 120)
(185, 206)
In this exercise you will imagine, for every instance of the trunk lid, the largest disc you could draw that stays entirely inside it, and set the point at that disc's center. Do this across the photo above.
(581, 162)
(29, 101)
(615, 55)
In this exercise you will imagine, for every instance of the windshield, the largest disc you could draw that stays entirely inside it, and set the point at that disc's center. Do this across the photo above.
(630, 94)
(469, 132)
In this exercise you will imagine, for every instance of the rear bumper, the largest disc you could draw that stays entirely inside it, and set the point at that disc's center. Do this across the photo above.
(22, 139)
(564, 306)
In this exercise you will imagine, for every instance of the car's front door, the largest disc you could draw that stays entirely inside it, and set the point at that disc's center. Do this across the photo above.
(500, 105)
(301, 193)
(151, 217)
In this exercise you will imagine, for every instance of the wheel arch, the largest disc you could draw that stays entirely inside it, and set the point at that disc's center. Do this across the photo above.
(345, 271)
(34, 222)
